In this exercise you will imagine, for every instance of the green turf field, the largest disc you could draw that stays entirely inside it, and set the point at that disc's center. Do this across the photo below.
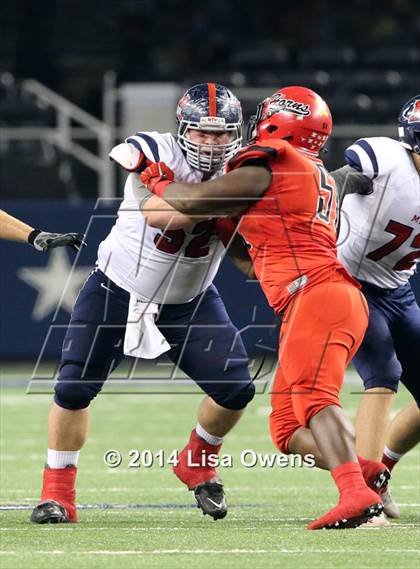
(269, 507)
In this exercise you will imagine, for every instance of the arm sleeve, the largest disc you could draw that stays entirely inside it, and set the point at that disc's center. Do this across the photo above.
(350, 181)
(142, 194)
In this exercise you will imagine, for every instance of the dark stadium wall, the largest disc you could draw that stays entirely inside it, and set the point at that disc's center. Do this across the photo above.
(33, 284)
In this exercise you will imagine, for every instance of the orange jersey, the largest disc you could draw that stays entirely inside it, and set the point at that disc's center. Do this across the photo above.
(292, 228)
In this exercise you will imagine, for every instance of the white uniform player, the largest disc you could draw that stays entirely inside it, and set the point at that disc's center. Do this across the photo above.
(154, 260)
(380, 246)
(380, 233)
(163, 267)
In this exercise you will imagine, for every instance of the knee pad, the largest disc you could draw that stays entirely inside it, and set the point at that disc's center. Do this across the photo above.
(236, 397)
(282, 427)
(72, 391)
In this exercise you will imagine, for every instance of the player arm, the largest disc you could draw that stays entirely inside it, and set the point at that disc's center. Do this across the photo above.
(13, 229)
(229, 195)
(350, 181)
(158, 213)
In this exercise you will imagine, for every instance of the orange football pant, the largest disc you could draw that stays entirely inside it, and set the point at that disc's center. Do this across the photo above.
(321, 332)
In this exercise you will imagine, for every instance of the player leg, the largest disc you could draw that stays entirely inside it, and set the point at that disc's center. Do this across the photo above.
(321, 330)
(290, 437)
(404, 432)
(91, 350)
(377, 364)
(209, 349)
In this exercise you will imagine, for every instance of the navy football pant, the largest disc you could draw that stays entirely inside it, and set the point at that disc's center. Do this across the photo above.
(390, 351)
(204, 344)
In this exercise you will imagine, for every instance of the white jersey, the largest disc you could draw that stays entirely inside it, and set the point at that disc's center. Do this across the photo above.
(170, 267)
(380, 233)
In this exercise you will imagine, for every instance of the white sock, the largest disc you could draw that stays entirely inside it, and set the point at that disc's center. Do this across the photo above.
(62, 458)
(211, 439)
(395, 456)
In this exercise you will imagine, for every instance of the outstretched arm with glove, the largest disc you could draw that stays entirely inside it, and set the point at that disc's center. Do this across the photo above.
(13, 229)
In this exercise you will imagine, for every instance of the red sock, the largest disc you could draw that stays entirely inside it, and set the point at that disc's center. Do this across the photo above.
(59, 485)
(348, 478)
(389, 462)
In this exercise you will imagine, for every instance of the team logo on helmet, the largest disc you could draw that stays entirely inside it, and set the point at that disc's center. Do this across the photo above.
(412, 114)
(278, 103)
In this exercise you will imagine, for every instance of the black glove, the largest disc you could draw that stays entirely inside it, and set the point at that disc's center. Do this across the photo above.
(43, 241)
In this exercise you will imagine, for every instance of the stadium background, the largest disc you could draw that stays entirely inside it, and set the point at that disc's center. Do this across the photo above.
(125, 66)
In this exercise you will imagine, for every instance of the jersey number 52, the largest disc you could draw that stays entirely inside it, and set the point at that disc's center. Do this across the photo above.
(172, 240)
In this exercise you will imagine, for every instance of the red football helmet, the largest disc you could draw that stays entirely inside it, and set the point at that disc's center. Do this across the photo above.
(296, 114)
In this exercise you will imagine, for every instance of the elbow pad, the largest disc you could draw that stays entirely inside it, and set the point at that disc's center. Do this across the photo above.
(128, 156)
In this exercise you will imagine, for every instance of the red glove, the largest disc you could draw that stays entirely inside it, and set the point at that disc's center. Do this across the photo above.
(225, 228)
(156, 177)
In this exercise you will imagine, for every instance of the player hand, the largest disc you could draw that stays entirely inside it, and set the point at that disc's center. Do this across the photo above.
(43, 241)
(226, 227)
(156, 177)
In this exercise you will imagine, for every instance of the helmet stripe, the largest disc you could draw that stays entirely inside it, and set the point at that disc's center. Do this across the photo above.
(212, 100)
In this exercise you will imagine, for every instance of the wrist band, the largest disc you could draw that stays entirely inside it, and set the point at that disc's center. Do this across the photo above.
(33, 235)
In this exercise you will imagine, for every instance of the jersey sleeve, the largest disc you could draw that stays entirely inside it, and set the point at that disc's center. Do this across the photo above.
(157, 147)
(252, 156)
(372, 157)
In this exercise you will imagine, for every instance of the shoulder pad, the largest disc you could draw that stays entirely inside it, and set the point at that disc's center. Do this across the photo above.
(253, 152)
(374, 156)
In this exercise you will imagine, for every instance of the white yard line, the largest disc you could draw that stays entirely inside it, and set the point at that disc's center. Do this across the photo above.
(215, 551)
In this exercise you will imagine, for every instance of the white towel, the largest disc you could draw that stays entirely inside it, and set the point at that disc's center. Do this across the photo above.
(143, 339)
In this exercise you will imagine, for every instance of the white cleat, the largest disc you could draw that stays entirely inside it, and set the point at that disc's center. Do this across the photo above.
(377, 522)
(390, 507)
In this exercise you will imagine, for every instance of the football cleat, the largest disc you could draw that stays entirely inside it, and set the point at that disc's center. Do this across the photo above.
(196, 462)
(390, 507)
(195, 469)
(211, 499)
(50, 512)
(379, 482)
(58, 497)
(351, 513)
(376, 474)
(377, 522)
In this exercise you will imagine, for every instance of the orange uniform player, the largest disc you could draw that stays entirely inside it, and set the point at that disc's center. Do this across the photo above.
(292, 234)
(288, 206)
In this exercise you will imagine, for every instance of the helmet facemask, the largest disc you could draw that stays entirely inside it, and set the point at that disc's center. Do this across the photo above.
(209, 157)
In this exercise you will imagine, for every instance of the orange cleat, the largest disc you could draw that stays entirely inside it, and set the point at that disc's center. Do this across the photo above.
(352, 512)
